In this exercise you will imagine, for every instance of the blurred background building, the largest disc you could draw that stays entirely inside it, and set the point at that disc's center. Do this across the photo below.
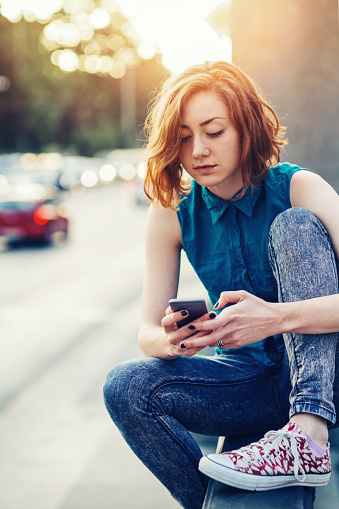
(291, 49)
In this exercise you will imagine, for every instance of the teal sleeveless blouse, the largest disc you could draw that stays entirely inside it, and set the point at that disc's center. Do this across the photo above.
(227, 241)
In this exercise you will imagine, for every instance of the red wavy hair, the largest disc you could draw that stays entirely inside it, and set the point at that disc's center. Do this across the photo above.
(261, 135)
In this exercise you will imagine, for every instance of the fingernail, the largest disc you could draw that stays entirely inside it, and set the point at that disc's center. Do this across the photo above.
(184, 313)
(212, 315)
(216, 305)
(191, 327)
(182, 345)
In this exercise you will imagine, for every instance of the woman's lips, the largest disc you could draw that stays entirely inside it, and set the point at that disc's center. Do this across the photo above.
(206, 168)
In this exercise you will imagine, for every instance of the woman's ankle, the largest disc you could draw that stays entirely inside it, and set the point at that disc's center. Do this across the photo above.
(314, 426)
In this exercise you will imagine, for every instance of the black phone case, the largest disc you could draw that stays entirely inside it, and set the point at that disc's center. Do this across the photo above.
(195, 308)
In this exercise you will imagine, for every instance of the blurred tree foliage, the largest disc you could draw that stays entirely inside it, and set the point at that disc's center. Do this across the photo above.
(44, 108)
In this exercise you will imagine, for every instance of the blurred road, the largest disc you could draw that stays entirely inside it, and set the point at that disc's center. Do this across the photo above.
(67, 315)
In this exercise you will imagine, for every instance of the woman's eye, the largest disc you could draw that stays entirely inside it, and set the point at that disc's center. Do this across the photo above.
(215, 135)
(185, 138)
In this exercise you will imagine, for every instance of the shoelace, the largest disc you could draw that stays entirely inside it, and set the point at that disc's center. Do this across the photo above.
(272, 441)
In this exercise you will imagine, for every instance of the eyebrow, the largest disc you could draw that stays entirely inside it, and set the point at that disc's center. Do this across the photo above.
(205, 122)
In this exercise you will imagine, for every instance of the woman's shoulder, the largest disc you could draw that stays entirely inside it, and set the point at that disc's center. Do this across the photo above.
(162, 217)
(282, 173)
(278, 183)
(162, 223)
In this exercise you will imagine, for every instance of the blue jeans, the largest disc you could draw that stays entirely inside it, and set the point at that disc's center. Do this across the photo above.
(248, 390)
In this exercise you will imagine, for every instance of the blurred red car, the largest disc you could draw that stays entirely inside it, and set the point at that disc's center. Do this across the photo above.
(36, 216)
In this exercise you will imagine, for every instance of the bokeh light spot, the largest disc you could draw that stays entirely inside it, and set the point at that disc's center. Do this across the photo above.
(107, 173)
(55, 57)
(67, 180)
(91, 64)
(86, 32)
(53, 31)
(69, 35)
(92, 49)
(12, 12)
(49, 45)
(118, 70)
(147, 50)
(4, 185)
(5, 83)
(28, 161)
(127, 56)
(99, 18)
(106, 64)
(41, 216)
(116, 42)
(141, 170)
(71, 6)
(89, 178)
(68, 61)
(127, 171)
(34, 10)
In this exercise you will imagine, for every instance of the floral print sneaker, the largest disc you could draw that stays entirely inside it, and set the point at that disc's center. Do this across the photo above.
(282, 458)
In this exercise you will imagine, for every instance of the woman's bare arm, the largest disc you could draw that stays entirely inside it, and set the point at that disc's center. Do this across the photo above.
(163, 247)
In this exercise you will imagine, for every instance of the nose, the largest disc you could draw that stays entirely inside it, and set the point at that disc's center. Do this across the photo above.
(199, 148)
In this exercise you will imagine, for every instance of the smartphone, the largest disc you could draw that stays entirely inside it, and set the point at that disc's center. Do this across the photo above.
(195, 308)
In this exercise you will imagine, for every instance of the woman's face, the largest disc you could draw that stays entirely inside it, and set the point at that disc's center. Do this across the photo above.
(210, 144)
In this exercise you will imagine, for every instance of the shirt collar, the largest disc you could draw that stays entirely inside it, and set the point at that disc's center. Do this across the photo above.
(217, 206)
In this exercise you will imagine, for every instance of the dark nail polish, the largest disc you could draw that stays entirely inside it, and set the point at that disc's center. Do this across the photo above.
(191, 327)
(184, 313)
(216, 304)
(182, 345)
(212, 315)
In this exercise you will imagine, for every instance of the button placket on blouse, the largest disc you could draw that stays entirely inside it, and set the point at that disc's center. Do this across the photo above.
(236, 231)
(236, 244)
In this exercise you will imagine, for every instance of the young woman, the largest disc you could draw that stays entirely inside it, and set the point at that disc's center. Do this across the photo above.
(263, 238)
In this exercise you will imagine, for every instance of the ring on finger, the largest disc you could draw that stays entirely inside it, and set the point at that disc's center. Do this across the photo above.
(221, 343)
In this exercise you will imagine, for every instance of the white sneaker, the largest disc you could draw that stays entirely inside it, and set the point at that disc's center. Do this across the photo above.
(282, 458)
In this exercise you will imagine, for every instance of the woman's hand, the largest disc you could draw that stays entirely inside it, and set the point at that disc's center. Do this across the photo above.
(177, 337)
(250, 320)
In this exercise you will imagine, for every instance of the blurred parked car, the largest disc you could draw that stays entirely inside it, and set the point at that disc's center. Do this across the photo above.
(37, 214)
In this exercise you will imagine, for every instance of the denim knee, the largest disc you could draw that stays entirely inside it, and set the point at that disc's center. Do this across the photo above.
(295, 221)
(115, 389)
(120, 389)
(129, 386)
(301, 254)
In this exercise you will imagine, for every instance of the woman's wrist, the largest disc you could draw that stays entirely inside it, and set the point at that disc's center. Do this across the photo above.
(313, 316)
(153, 343)
(288, 317)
